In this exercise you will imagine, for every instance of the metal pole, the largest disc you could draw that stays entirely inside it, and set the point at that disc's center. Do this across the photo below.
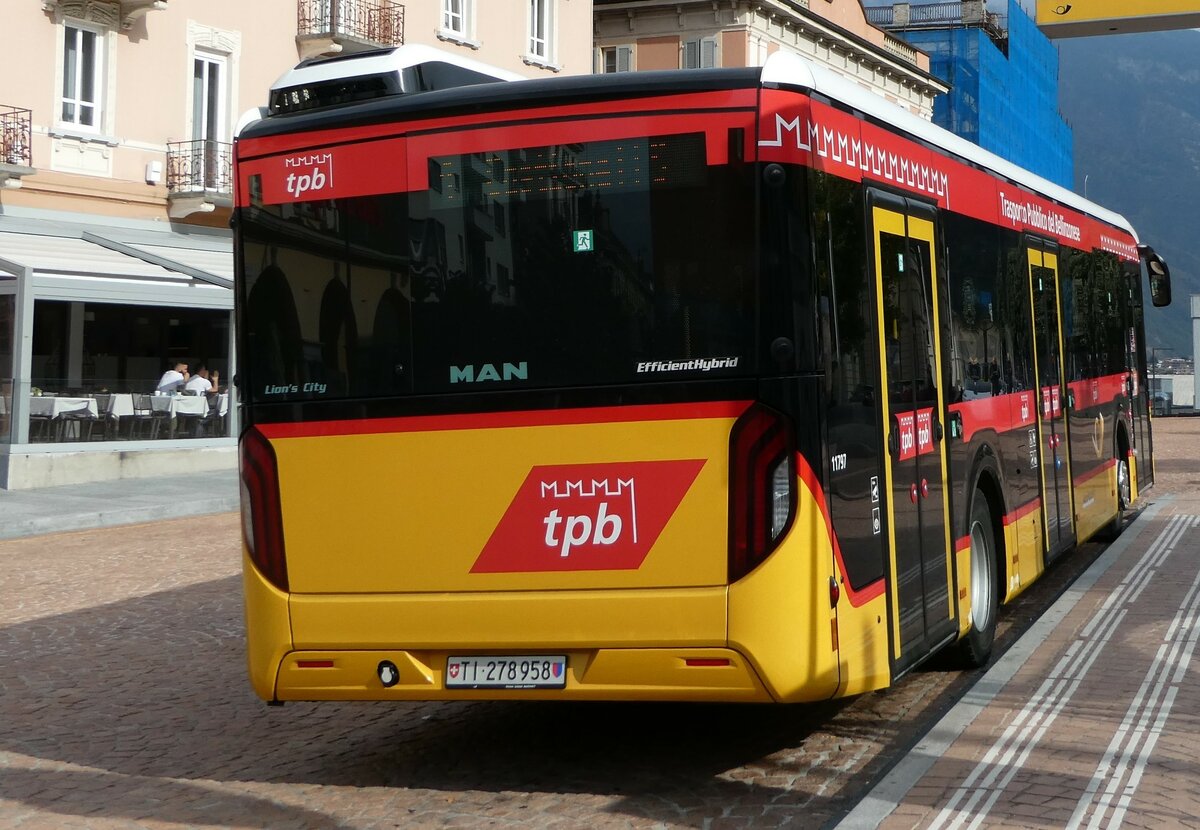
(1195, 340)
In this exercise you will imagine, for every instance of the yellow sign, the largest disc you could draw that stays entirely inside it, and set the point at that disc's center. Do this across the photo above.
(1079, 18)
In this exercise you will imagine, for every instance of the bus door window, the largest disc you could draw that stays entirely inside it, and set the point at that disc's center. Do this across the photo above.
(1052, 404)
(1138, 381)
(911, 367)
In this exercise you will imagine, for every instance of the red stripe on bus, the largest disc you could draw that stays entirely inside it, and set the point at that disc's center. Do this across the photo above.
(303, 142)
(1001, 413)
(1015, 410)
(1011, 518)
(1024, 510)
(1095, 471)
(797, 129)
(396, 165)
(1098, 391)
(857, 598)
(503, 420)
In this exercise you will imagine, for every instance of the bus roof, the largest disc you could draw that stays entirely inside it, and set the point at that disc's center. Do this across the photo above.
(789, 70)
(481, 93)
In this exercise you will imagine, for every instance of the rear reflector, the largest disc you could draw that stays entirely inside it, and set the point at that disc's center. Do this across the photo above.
(707, 661)
(762, 491)
(314, 664)
(262, 518)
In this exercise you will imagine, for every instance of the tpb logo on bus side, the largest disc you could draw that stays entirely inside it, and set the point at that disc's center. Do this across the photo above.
(310, 173)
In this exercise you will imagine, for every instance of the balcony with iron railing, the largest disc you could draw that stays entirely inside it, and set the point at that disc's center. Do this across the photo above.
(199, 176)
(16, 153)
(327, 27)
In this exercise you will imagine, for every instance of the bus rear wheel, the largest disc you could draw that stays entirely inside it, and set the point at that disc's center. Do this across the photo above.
(976, 647)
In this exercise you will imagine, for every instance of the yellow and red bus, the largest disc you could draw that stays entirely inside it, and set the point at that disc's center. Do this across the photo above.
(729, 385)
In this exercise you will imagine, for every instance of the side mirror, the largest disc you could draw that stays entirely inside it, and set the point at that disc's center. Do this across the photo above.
(1160, 277)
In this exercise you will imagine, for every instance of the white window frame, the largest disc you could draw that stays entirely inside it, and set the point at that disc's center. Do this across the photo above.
(203, 128)
(456, 22)
(221, 130)
(541, 50)
(222, 48)
(704, 49)
(620, 52)
(99, 78)
(219, 46)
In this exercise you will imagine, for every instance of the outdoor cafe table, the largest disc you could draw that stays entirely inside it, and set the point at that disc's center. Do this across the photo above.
(187, 406)
(52, 406)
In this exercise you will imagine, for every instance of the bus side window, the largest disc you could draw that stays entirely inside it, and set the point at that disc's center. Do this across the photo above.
(849, 358)
(276, 352)
(978, 319)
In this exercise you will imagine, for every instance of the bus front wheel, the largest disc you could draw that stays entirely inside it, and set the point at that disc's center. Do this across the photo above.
(976, 647)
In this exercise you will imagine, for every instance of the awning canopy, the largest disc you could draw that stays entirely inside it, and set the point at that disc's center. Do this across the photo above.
(128, 263)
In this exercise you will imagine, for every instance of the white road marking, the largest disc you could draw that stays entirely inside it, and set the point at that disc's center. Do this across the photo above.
(1129, 751)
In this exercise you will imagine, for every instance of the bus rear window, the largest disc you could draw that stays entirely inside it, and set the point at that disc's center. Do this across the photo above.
(609, 262)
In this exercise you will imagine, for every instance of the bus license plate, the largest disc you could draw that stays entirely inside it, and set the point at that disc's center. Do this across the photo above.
(507, 672)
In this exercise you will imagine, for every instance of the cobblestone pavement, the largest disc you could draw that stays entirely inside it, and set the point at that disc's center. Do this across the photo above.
(124, 703)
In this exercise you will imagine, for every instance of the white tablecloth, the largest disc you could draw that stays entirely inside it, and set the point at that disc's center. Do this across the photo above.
(122, 405)
(52, 407)
(180, 404)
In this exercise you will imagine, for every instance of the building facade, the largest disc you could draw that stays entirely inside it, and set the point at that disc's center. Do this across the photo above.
(1003, 74)
(670, 34)
(117, 120)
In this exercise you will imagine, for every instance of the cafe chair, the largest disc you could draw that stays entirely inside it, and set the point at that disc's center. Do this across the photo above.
(40, 428)
(144, 422)
(105, 417)
(212, 425)
(75, 426)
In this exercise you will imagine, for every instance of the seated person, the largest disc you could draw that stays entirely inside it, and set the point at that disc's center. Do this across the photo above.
(201, 382)
(173, 380)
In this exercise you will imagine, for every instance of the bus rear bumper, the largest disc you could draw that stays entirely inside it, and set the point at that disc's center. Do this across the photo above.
(700, 674)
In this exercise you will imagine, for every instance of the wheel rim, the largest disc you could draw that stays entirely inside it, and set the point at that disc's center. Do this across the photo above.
(981, 579)
(1124, 495)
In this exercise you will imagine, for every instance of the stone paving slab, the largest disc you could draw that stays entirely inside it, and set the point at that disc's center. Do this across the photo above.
(111, 503)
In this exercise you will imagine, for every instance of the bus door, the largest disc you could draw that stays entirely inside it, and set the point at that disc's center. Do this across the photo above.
(918, 526)
(1058, 517)
(1138, 385)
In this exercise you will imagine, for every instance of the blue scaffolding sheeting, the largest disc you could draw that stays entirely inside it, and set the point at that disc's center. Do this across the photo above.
(1004, 83)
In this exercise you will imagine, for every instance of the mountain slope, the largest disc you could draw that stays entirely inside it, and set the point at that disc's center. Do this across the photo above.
(1134, 104)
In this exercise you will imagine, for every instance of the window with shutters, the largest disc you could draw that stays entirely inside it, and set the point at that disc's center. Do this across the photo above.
(617, 59)
(700, 53)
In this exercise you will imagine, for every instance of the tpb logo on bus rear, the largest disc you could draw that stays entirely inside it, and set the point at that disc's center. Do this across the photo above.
(587, 517)
(589, 512)
(308, 174)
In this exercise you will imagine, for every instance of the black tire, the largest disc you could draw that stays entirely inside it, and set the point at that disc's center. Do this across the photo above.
(976, 647)
(1124, 491)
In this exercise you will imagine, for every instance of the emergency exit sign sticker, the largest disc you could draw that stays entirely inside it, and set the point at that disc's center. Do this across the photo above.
(582, 241)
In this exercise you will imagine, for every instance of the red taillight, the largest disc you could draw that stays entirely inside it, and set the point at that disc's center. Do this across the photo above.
(262, 520)
(762, 492)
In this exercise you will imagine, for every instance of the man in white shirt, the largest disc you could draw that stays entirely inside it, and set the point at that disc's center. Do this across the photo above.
(201, 383)
(173, 379)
